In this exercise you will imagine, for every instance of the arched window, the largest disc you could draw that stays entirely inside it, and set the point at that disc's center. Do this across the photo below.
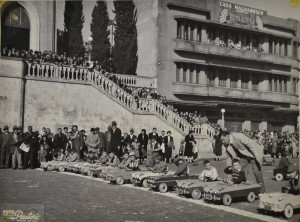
(15, 26)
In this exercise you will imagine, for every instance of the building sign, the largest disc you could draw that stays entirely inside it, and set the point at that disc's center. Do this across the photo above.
(241, 15)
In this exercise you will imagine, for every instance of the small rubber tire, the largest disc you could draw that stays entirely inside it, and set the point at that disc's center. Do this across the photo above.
(279, 177)
(120, 180)
(251, 197)
(163, 187)
(196, 194)
(227, 200)
(49, 168)
(288, 211)
(61, 169)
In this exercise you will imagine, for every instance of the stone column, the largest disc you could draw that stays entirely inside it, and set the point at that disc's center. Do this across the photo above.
(263, 126)
(182, 30)
(203, 34)
(290, 48)
(273, 83)
(277, 47)
(195, 31)
(217, 40)
(189, 32)
(228, 78)
(203, 76)
(194, 75)
(250, 80)
(217, 78)
(265, 44)
(289, 85)
(246, 125)
(187, 75)
(239, 82)
(181, 73)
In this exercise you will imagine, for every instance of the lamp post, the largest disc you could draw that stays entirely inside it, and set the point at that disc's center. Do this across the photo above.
(90, 39)
(223, 119)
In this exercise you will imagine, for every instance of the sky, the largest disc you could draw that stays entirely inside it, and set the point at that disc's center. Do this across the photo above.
(278, 8)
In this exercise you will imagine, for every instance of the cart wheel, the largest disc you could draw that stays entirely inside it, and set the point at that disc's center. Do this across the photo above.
(145, 183)
(120, 180)
(279, 177)
(288, 211)
(163, 188)
(196, 194)
(251, 197)
(61, 169)
(49, 168)
(227, 200)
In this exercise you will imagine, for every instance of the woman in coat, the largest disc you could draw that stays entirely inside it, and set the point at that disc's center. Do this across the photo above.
(189, 145)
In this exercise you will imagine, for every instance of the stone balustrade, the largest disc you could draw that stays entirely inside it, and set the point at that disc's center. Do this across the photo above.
(138, 81)
(151, 106)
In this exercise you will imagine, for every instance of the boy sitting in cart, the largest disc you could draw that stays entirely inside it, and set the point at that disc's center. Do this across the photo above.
(182, 169)
(133, 163)
(293, 185)
(103, 159)
(60, 156)
(160, 166)
(236, 172)
(125, 161)
(73, 156)
(284, 162)
(209, 173)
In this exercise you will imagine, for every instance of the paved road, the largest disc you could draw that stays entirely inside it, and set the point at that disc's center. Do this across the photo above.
(70, 197)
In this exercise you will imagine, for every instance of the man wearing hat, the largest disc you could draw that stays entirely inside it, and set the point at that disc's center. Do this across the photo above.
(30, 139)
(116, 135)
(15, 140)
(5, 149)
(130, 138)
(101, 146)
(189, 145)
(60, 140)
(293, 186)
(93, 141)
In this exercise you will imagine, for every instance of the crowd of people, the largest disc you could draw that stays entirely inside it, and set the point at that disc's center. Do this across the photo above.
(28, 149)
(238, 45)
(275, 143)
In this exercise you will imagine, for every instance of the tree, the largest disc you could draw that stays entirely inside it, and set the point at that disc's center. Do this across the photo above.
(124, 52)
(100, 34)
(74, 19)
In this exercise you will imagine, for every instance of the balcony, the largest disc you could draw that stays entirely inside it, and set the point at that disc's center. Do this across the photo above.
(199, 47)
(233, 93)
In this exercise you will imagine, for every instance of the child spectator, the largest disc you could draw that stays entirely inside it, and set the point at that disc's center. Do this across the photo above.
(182, 169)
(160, 166)
(73, 156)
(238, 175)
(135, 148)
(293, 184)
(103, 158)
(209, 173)
(125, 161)
(284, 162)
(112, 159)
(42, 154)
(133, 163)
(67, 154)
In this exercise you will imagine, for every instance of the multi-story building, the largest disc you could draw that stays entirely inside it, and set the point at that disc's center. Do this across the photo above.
(214, 54)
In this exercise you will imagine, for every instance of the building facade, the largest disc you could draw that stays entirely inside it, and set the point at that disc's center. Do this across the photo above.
(214, 54)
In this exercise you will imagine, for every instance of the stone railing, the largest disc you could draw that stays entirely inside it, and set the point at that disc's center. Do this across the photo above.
(149, 106)
(138, 81)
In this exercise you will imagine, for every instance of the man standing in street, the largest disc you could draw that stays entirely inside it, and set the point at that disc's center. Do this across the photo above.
(60, 141)
(5, 151)
(30, 139)
(249, 152)
(15, 141)
(77, 140)
(93, 141)
(101, 146)
(130, 138)
(116, 139)
(143, 141)
(108, 139)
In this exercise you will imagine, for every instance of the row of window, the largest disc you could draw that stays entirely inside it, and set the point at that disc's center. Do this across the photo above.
(243, 40)
(191, 73)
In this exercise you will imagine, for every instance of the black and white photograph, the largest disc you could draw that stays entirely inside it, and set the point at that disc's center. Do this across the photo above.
(149, 110)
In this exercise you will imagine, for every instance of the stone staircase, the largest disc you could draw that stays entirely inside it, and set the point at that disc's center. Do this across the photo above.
(203, 132)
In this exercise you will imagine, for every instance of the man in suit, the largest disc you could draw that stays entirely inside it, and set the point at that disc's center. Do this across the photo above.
(60, 141)
(130, 138)
(153, 134)
(31, 139)
(143, 141)
(5, 151)
(101, 146)
(93, 141)
(161, 138)
(108, 139)
(249, 152)
(116, 139)
(169, 147)
(77, 140)
(15, 141)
